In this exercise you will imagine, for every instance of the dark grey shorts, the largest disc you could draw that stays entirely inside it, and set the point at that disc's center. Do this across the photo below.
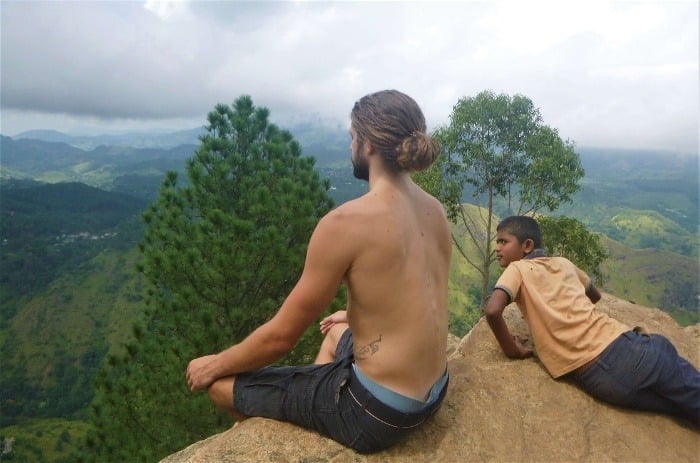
(329, 399)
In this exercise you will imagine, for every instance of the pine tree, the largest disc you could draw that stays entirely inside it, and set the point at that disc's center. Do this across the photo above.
(220, 254)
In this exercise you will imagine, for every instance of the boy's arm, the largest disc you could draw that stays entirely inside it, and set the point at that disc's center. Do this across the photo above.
(510, 344)
(593, 293)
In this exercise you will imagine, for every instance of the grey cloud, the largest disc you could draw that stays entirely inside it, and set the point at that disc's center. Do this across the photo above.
(596, 81)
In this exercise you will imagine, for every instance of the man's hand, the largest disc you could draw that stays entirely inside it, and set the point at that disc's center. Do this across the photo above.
(199, 373)
(327, 323)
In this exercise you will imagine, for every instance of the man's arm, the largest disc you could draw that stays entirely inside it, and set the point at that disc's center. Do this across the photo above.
(327, 259)
(510, 344)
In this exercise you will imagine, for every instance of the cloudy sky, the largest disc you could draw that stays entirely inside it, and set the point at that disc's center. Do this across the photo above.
(604, 73)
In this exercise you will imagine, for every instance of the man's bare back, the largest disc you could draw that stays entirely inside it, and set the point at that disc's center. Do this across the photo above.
(391, 249)
(397, 285)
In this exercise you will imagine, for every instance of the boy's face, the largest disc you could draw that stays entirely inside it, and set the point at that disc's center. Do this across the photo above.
(509, 249)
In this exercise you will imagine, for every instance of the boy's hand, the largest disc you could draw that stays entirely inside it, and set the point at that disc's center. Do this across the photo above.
(522, 351)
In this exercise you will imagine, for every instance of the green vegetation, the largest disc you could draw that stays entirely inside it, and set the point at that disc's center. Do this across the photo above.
(51, 230)
(44, 440)
(498, 146)
(465, 288)
(642, 199)
(650, 229)
(57, 313)
(67, 306)
(568, 237)
(220, 255)
(114, 168)
(54, 345)
(653, 278)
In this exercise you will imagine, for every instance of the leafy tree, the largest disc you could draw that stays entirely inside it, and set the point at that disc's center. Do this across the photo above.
(496, 147)
(568, 237)
(220, 254)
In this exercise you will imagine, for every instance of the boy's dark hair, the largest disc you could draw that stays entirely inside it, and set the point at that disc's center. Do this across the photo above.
(523, 228)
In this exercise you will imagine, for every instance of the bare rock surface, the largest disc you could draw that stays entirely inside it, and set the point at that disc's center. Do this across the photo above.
(496, 410)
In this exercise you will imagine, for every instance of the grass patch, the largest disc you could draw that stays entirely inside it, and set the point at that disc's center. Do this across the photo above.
(42, 440)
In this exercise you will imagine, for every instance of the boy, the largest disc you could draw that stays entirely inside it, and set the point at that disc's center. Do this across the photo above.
(605, 357)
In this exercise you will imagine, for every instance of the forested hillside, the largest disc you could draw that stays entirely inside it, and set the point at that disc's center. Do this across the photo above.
(67, 258)
(70, 219)
(643, 199)
(50, 229)
(136, 171)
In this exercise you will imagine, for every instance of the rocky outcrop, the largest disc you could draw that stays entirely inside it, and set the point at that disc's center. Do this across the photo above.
(496, 410)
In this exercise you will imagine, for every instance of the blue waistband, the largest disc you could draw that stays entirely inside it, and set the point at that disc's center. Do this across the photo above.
(398, 401)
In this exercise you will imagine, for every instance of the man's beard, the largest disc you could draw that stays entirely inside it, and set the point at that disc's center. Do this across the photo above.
(360, 168)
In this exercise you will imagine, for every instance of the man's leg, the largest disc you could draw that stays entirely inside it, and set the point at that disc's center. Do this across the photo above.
(326, 353)
(221, 393)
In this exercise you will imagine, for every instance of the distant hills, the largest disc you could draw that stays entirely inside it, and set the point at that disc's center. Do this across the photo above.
(105, 167)
(644, 199)
(70, 221)
(327, 145)
(163, 139)
(136, 162)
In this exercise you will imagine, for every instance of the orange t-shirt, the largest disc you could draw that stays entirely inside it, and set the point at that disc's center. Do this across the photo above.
(566, 329)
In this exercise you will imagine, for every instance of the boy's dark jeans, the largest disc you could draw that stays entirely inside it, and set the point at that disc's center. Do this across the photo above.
(644, 372)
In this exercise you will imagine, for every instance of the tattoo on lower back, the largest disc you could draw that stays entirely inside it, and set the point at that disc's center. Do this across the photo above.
(370, 349)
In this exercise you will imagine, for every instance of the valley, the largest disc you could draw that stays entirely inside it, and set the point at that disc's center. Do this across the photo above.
(70, 224)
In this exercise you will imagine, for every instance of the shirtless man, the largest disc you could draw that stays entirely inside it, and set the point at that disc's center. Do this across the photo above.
(382, 367)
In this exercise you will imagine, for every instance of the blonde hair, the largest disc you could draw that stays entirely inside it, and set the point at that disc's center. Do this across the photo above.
(395, 126)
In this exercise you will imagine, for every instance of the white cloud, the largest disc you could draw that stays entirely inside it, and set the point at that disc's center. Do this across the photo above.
(600, 71)
(166, 9)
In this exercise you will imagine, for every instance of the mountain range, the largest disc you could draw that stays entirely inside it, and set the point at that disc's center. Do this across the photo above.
(70, 221)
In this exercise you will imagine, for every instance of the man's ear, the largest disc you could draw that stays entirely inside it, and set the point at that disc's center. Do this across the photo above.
(367, 147)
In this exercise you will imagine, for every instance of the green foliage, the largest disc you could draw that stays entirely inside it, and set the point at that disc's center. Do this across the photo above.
(465, 287)
(220, 255)
(431, 179)
(650, 229)
(52, 305)
(568, 237)
(496, 146)
(69, 303)
(644, 199)
(48, 230)
(41, 440)
(654, 278)
(107, 167)
(53, 347)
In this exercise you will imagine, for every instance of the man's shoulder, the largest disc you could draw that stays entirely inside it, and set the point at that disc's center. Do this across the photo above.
(356, 208)
(344, 218)
(348, 210)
